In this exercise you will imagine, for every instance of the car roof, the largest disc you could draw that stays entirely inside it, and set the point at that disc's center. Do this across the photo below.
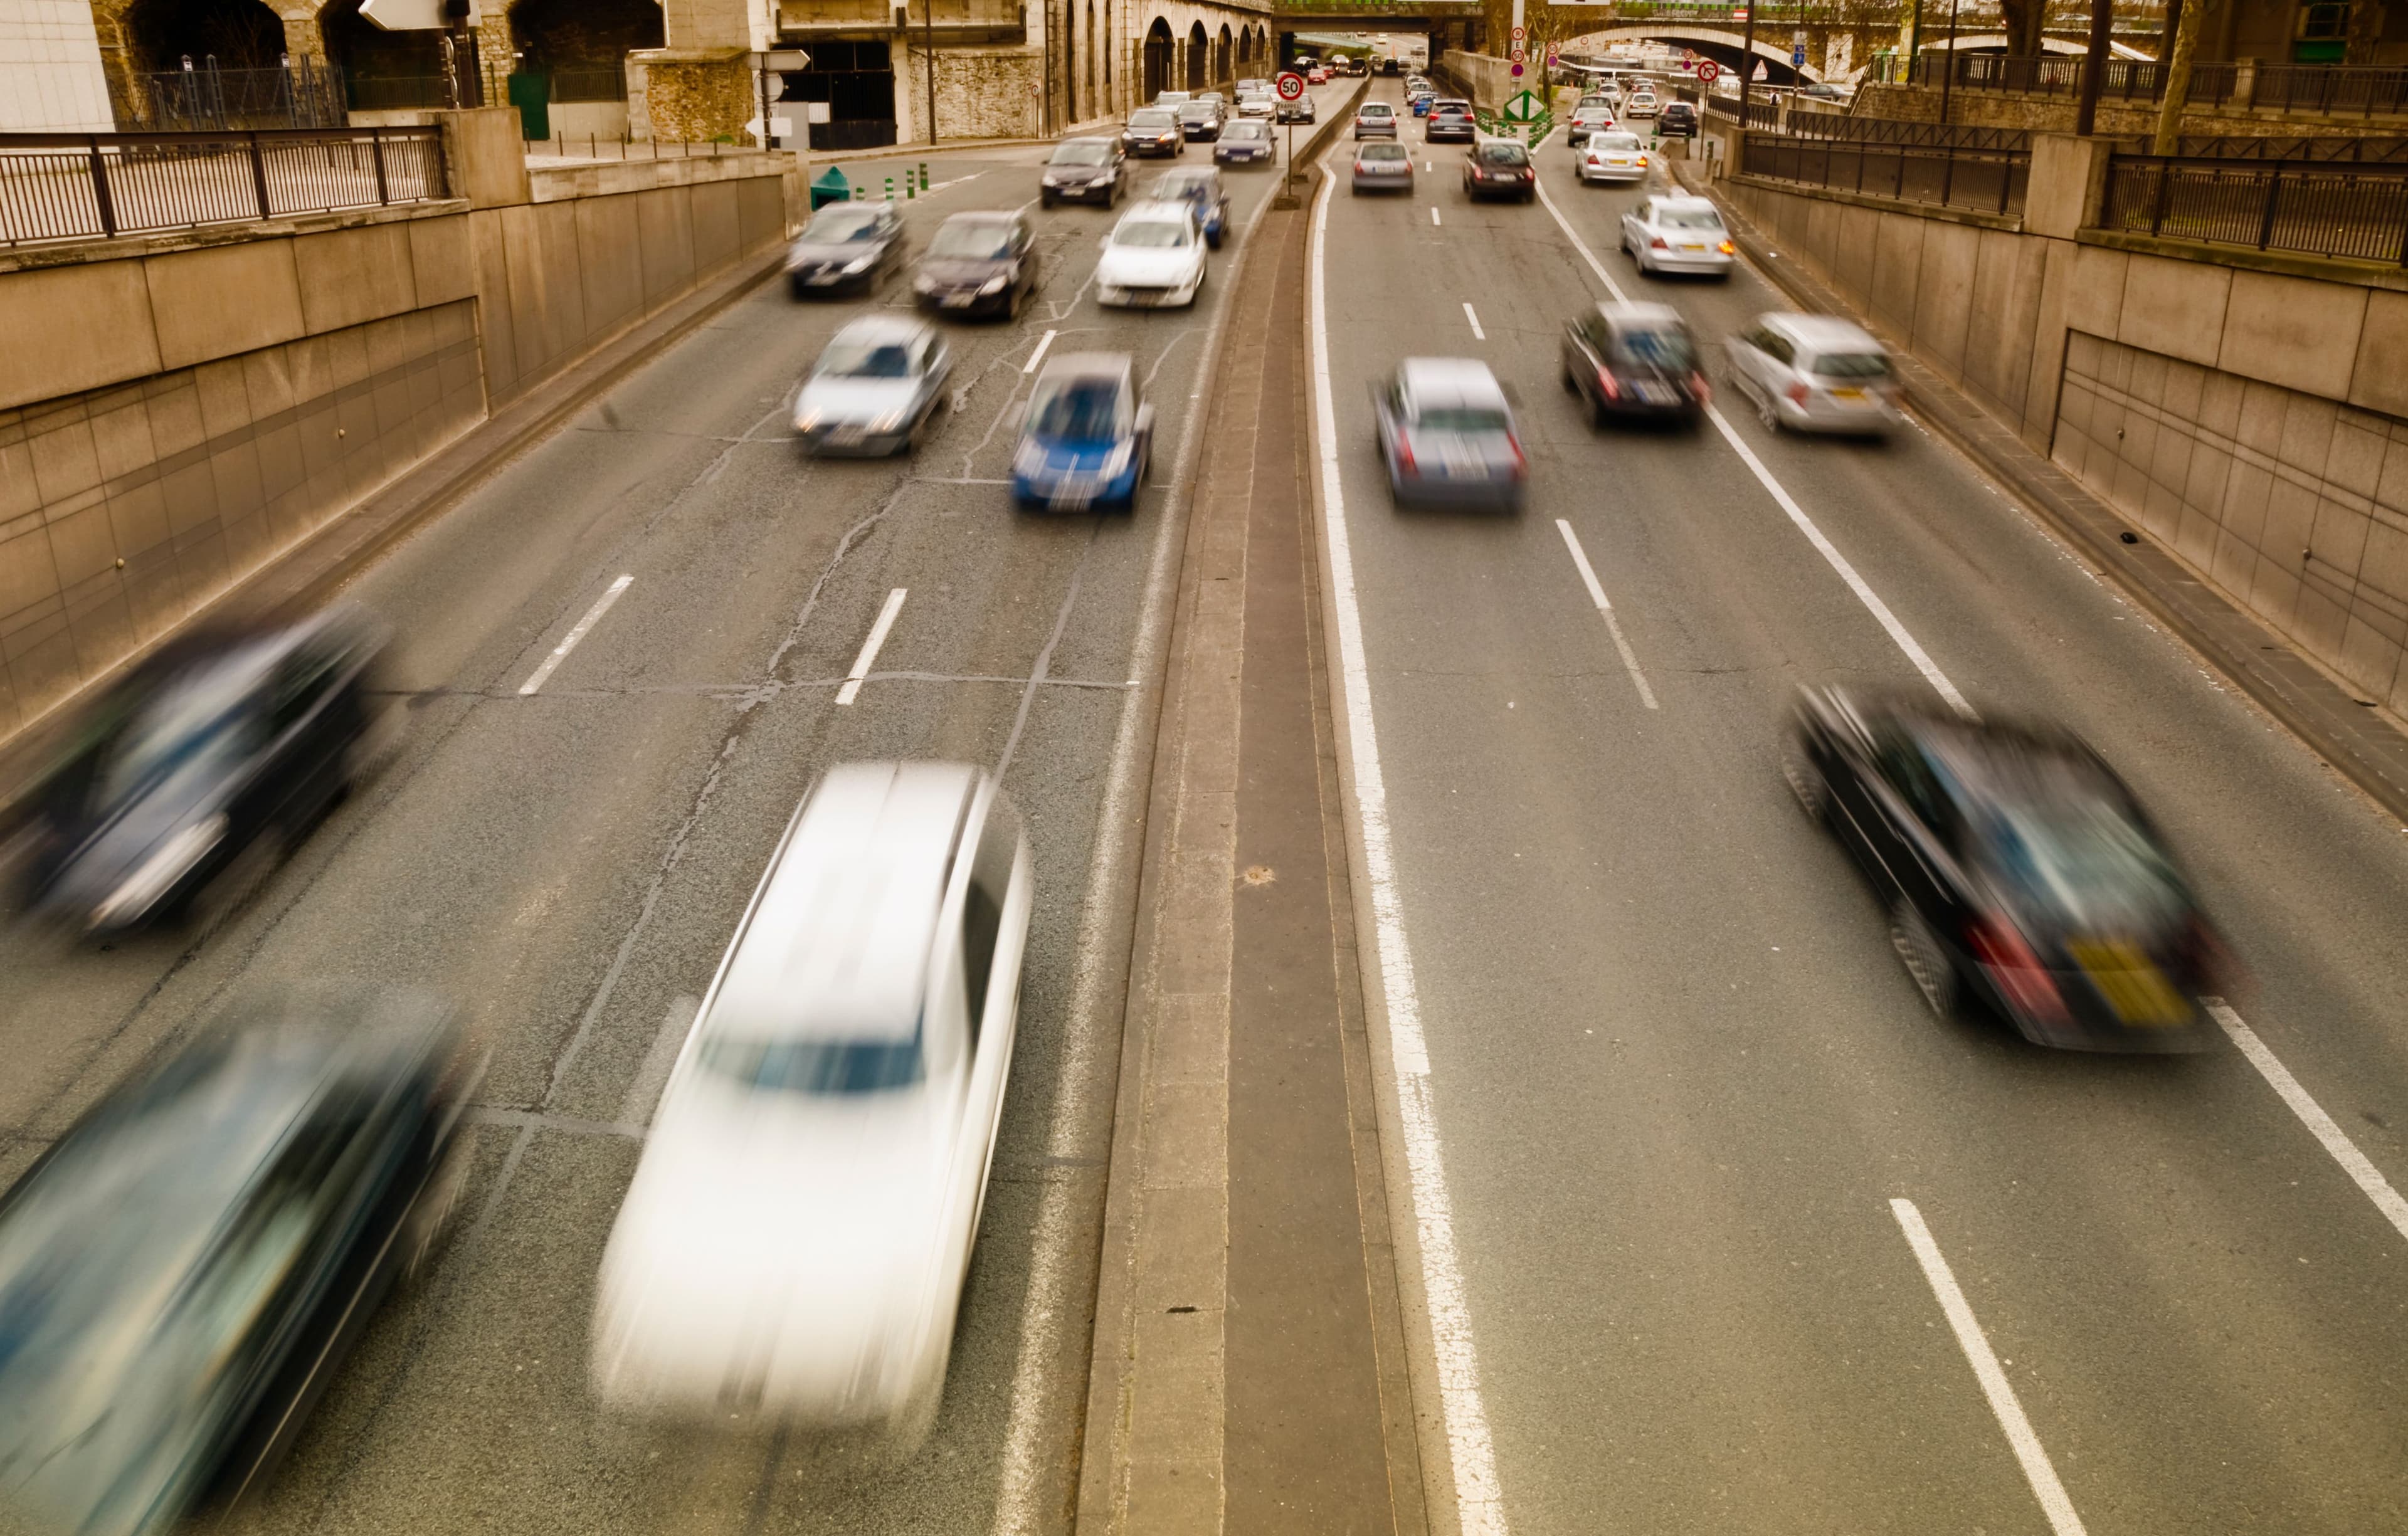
(1439, 380)
(1822, 333)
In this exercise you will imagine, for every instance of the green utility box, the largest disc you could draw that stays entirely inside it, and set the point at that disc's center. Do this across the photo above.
(830, 187)
(532, 95)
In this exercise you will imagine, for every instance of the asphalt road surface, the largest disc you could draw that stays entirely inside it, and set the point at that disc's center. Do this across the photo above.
(569, 866)
(1676, 1073)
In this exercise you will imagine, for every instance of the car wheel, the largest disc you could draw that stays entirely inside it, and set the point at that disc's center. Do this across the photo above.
(1765, 411)
(1045, 200)
(1918, 948)
(1805, 780)
(1011, 304)
(430, 1215)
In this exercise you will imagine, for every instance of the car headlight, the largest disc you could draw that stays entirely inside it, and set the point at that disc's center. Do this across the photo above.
(891, 422)
(167, 863)
(1053, 180)
(860, 264)
(924, 283)
(994, 285)
(808, 420)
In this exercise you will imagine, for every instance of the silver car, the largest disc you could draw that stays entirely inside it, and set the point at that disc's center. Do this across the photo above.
(1816, 372)
(1677, 232)
(1383, 167)
(1446, 432)
(874, 388)
(1375, 119)
(1616, 156)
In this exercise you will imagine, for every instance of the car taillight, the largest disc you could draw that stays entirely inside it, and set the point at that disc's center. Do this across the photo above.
(1699, 389)
(1797, 393)
(1642, 163)
(2011, 963)
(1727, 248)
(1658, 244)
(1405, 451)
(1605, 383)
(1521, 460)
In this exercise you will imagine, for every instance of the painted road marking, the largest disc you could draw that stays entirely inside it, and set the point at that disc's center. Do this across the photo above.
(2037, 1471)
(1478, 1496)
(1469, 314)
(1033, 358)
(1612, 626)
(577, 631)
(1434, 213)
(2321, 1125)
(852, 688)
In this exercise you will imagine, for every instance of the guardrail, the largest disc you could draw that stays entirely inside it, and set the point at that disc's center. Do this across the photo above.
(1985, 180)
(79, 186)
(2315, 209)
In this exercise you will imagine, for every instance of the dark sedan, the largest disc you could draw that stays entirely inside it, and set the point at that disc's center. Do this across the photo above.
(1246, 142)
(1154, 130)
(1500, 168)
(185, 1270)
(1450, 119)
(1200, 120)
(979, 263)
(1635, 361)
(846, 245)
(1084, 170)
(1678, 119)
(2019, 870)
(186, 781)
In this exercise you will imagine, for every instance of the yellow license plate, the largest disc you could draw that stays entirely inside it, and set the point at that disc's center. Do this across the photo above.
(2137, 993)
(1854, 397)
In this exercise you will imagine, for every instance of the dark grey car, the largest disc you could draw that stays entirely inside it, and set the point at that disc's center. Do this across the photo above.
(979, 263)
(846, 245)
(1084, 170)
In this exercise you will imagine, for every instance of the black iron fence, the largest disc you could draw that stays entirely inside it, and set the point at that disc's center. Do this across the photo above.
(2319, 208)
(201, 97)
(2211, 84)
(2352, 151)
(77, 186)
(589, 82)
(1922, 135)
(1986, 181)
(2365, 89)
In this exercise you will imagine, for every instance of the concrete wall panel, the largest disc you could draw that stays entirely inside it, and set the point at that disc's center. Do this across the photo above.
(2294, 332)
(442, 261)
(1943, 304)
(664, 225)
(1898, 268)
(715, 228)
(610, 261)
(353, 276)
(2378, 379)
(74, 328)
(2175, 308)
(223, 300)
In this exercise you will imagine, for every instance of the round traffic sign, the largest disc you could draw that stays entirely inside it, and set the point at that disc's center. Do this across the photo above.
(1291, 87)
(1709, 71)
(1517, 71)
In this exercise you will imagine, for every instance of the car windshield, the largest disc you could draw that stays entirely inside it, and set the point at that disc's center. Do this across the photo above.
(979, 239)
(1248, 129)
(1079, 410)
(1615, 141)
(1151, 234)
(1196, 111)
(1381, 151)
(1154, 120)
(827, 1067)
(1503, 154)
(1689, 218)
(1084, 152)
(1852, 365)
(2060, 840)
(865, 357)
(1655, 348)
(841, 226)
(196, 729)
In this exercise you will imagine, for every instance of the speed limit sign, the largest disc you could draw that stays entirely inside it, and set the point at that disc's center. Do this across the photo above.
(1291, 87)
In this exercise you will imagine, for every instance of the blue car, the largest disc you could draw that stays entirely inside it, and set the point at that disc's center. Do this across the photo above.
(1087, 438)
(1202, 190)
(1420, 101)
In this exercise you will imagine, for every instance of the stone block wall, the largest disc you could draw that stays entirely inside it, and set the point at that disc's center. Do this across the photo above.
(980, 92)
(697, 101)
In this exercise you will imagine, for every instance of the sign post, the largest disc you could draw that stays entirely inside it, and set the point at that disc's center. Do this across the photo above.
(1290, 87)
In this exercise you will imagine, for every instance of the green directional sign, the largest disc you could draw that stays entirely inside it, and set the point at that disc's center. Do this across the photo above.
(1523, 108)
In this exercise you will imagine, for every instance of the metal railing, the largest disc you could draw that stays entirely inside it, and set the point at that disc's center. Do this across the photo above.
(2333, 87)
(202, 97)
(2351, 150)
(2212, 83)
(1923, 135)
(2312, 207)
(79, 186)
(1986, 181)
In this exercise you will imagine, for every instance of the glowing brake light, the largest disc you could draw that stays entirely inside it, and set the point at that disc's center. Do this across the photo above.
(1404, 452)
(1521, 460)
(1699, 388)
(1605, 383)
(2011, 963)
(1727, 248)
(1642, 163)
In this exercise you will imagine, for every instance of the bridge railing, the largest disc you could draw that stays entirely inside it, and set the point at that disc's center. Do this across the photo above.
(1988, 180)
(2313, 207)
(2211, 84)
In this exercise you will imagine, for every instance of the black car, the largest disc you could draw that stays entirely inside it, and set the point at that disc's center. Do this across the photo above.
(846, 245)
(180, 786)
(1500, 168)
(1678, 120)
(1084, 170)
(979, 263)
(1450, 119)
(1635, 361)
(183, 1271)
(1201, 119)
(1154, 130)
(2019, 870)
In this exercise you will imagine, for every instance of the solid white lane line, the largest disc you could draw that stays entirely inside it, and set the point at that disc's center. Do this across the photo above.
(1612, 625)
(2037, 1471)
(2320, 1125)
(1033, 358)
(1469, 314)
(852, 688)
(1470, 1448)
(643, 1097)
(577, 631)
(1434, 213)
(1582, 246)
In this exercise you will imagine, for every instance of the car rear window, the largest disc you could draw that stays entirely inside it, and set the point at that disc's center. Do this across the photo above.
(1656, 347)
(1381, 152)
(1464, 418)
(1503, 154)
(1615, 141)
(1377, 109)
(1689, 218)
(1852, 365)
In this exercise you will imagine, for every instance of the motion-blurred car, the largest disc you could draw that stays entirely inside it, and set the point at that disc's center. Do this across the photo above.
(1087, 437)
(1586, 120)
(1635, 361)
(1820, 91)
(1173, 98)
(1300, 110)
(1816, 372)
(1446, 434)
(1641, 103)
(846, 245)
(1375, 119)
(1499, 167)
(979, 263)
(181, 787)
(1317, 75)
(1251, 86)
(1200, 120)
(795, 1242)
(1201, 190)
(2019, 870)
(1678, 120)
(1154, 130)
(1262, 104)
(1153, 258)
(1084, 170)
(1593, 101)
(183, 1271)
(874, 388)
(1385, 166)
(1616, 156)
(1676, 232)
(1247, 141)
(1451, 122)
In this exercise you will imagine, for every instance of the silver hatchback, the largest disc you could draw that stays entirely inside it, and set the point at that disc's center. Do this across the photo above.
(874, 388)
(1816, 372)
(1446, 432)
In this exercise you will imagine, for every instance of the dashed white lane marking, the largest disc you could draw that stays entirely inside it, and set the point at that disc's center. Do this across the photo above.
(1033, 358)
(852, 688)
(1612, 625)
(2051, 1493)
(1473, 315)
(2312, 1115)
(577, 631)
(1434, 218)
(643, 1096)
(1478, 1496)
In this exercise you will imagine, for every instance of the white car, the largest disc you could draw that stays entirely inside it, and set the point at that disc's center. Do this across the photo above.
(1613, 156)
(796, 1238)
(1816, 372)
(1676, 232)
(1153, 258)
(1255, 103)
(1640, 105)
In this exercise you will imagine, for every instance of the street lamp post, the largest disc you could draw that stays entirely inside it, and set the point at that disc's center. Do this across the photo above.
(1948, 69)
(1747, 65)
(2094, 66)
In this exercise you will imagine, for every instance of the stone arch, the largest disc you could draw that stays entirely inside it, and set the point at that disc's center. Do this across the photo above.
(239, 34)
(1225, 55)
(1196, 48)
(555, 33)
(1159, 50)
(371, 58)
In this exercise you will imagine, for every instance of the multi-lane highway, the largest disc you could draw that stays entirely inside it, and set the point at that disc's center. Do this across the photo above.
(1676, 1078)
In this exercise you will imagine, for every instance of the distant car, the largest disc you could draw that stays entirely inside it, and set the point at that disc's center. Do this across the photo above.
(1173, 98)
(185, 1270)
(1592, 99)
(1152, 259)
(1677, 233)
(1390, 67)
(875, 387)
(1612, 157)
(189, 778)
(1816, 372)
(1206, 197)
(1678, 120)
(1200, 120)
(1154, 130)
(1300, 110)
(2020, 872)
(1821, 92)
(1084, 170)
(1418, 97)
(1383, 166)
(1640, 103)
(1608, 98)
(979, 263)
(1317, 75)
(1254, 86)
(846, 245)
(1257, 105)
(1499, 167)
(794, 1243)
(1450, 121)
(1446, 434)
(1247, 141)
(1087, 437)
(1584, 121)
(1635, 361)
(1375, 119)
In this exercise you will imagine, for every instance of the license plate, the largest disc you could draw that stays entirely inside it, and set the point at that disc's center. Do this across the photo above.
(1693, 248)
(1854, 397)
(821, 278)
(957, 301)
(1653, 395)
(1619, 160)
(2136, 991)
(846, 434)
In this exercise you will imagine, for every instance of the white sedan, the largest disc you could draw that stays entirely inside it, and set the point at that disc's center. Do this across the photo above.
(1677, 232)
(1614, 156)
(1152, 259)
(796, 1238)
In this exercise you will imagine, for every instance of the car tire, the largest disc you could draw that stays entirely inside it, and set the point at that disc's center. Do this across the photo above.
(1011, 304)
(1926, 963)
(430, 1215)
(1045, 199)
(1805, 780)
(1767, 412)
